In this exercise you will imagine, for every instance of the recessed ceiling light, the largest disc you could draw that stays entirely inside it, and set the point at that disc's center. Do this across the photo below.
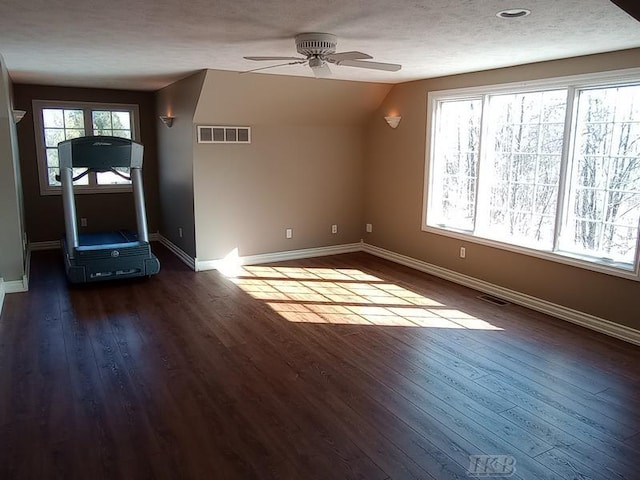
(513, 13)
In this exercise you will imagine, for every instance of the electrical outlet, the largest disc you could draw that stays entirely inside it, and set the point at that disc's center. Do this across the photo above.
(334, 228)
(180, 232)
(288, 233)
(83, 222)
(463, 252)
(369, 228)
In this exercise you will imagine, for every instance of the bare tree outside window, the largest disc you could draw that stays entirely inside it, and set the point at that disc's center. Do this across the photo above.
(456, 163)
(523, 169)
(56, 121)
(605, 185)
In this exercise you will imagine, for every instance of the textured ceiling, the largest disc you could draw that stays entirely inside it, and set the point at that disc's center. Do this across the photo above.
(147, 44)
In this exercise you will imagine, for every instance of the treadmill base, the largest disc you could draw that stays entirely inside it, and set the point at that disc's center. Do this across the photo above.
(94, 263)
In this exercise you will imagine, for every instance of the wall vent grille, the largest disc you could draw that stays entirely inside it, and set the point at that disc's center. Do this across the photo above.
(494, 300)
(223, 134)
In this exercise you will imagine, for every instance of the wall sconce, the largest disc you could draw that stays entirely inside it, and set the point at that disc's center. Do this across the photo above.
(18, 114)
(393, 121)
(167, 120)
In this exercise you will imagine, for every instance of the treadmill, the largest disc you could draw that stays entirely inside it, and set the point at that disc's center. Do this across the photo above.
(109, 255)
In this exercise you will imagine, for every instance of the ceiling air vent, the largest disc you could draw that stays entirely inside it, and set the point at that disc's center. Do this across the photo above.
(223, 134)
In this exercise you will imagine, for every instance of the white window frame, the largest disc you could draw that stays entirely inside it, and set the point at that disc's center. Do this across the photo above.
(573, 84)
(87, 107)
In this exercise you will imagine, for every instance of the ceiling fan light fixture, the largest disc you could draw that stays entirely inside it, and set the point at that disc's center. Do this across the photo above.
(316, 62)
(513, 13)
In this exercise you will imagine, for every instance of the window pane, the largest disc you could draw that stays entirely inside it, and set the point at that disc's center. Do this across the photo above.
(51, 176)
(101, 120)
(74, 119)
(73, 133)
(110, 178)
(122, 133)
(111, 123)
(522, 170)
(52, 157)
(454, 166)
(52, 118)
(53, 171)
(82, 181)
(53, 136)
(604, 193)
(59, 125)
(121, 121)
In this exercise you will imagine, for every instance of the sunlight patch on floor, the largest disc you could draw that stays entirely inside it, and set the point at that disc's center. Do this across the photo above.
(347, 296)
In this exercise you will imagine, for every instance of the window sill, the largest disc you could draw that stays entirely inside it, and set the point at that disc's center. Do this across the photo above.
(588, 263)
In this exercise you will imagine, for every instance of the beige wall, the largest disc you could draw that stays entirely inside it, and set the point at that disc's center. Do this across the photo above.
(394, 192)
(175, 154)
(12, 253)
(303, 169)
(107, 211)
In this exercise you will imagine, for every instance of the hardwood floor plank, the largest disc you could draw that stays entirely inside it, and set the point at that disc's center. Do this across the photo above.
(568, 467)
(620, 421)
(10, 324)
(565, 419)
(592, 454)
(346, 366)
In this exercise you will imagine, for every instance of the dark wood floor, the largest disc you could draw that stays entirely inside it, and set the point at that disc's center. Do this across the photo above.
(331, 368)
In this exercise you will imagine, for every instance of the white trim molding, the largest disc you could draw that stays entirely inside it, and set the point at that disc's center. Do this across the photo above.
(17, 286)
(177, 251)
(222, 263)
(586, 320)
(14, 286)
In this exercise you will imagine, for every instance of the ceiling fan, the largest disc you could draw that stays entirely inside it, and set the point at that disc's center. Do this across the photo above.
(319, 50)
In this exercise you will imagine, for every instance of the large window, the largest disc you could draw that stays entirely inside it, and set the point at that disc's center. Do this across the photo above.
(58, 121)
(549, 169)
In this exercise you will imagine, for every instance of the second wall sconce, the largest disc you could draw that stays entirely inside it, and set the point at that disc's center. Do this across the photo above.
(167, 120)
(393, 120)
(18, 114)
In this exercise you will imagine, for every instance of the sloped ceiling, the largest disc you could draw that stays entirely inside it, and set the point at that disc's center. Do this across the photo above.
(147, 44)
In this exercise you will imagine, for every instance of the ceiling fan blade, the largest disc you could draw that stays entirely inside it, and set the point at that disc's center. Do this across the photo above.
(632, 7)
(274, 66)
(389, 67)
(321, 71)
(272, 59)
(339, 57)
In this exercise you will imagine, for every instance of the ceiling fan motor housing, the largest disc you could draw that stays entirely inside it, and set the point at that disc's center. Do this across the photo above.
(312, 44)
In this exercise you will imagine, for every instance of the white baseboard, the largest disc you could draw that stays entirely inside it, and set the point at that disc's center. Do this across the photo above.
(49, 245)
(14, 286)
(592, 322)
(564, 313)
(177, 251)
(17, 286)
(280, 256)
